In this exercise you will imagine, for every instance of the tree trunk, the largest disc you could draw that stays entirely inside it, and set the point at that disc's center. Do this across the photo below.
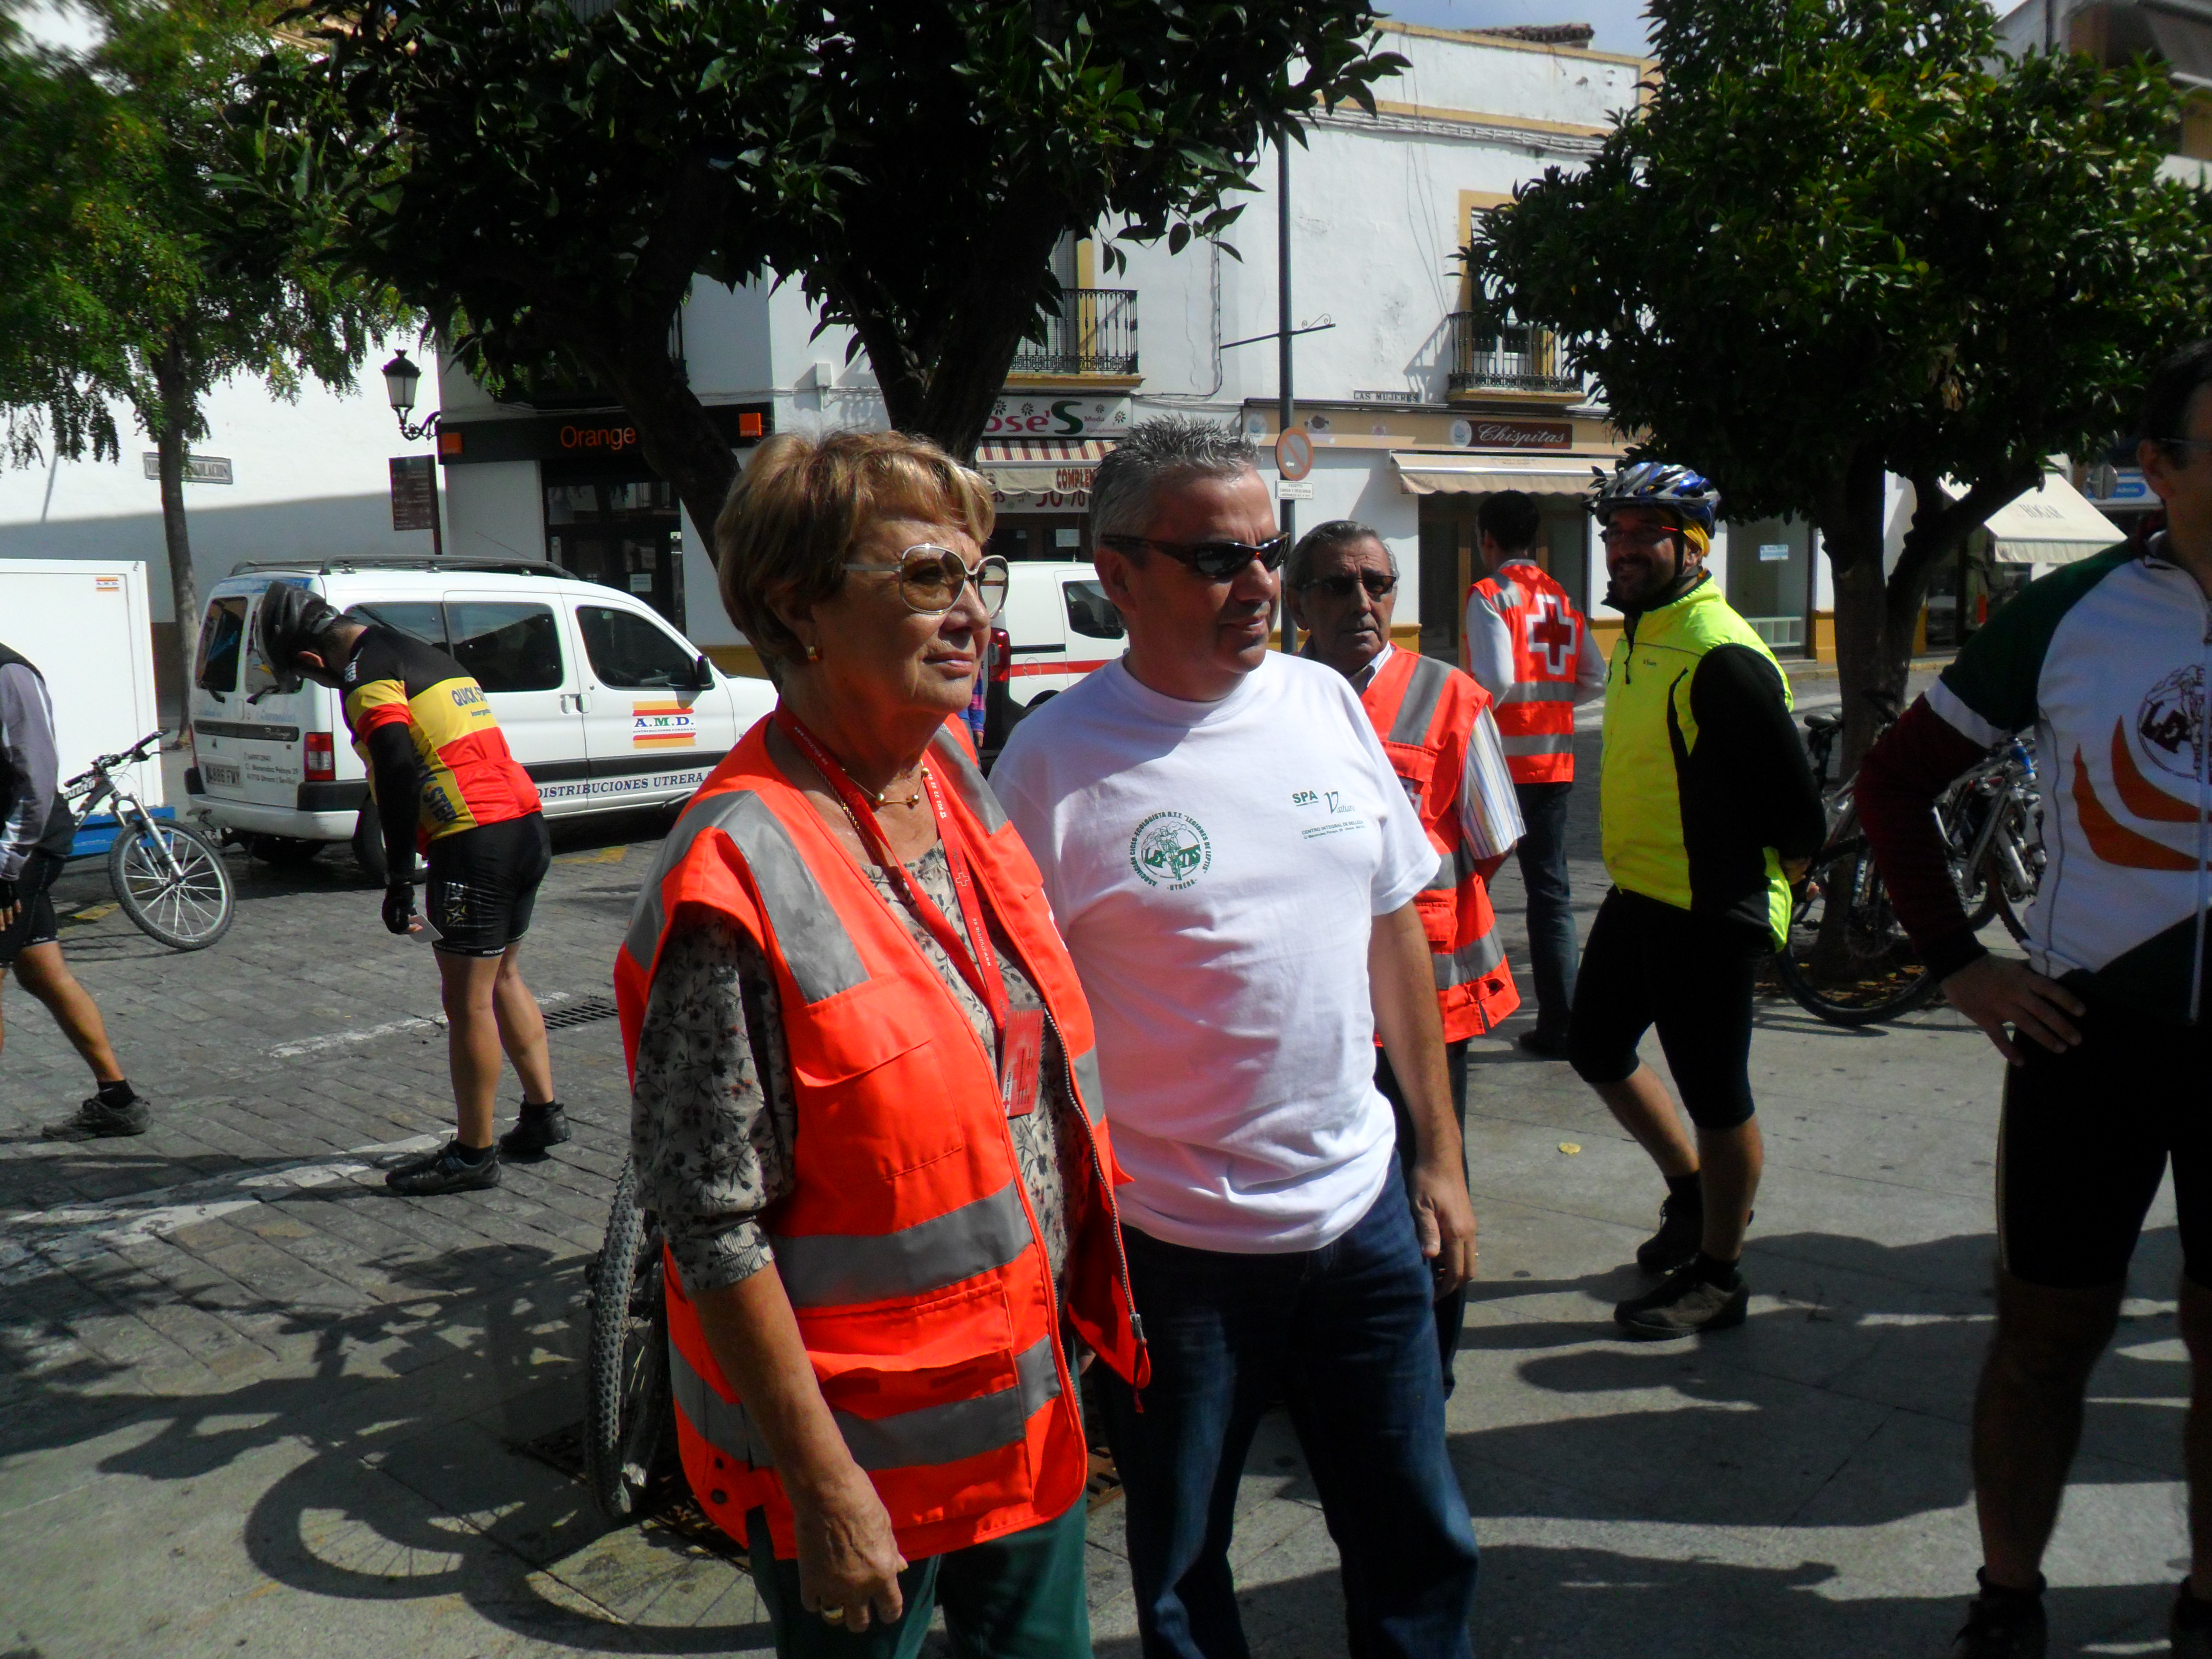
(1870, 663)
(680, 440)
(179, 419)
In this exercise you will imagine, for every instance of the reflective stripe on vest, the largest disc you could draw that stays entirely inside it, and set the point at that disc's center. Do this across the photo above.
(1424, 712)
(821, 959)
(931, 1434)
(829, 1270)
(1535, 714)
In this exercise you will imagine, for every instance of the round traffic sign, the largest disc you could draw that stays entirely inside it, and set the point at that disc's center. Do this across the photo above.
(1294, 455)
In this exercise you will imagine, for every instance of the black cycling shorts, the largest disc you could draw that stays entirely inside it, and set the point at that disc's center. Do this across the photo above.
(483, 884)
(34, 923)
(1648, 963)
(2086, 1137)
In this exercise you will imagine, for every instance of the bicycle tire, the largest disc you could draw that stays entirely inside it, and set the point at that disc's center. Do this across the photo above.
(1880, 977)
(187, 911)
(627, 1413)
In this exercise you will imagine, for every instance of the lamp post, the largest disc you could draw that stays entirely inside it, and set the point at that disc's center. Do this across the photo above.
(401, 377)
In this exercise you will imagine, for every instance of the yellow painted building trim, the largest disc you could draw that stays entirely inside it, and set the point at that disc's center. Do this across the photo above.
(1469, 37)
(1470, 118)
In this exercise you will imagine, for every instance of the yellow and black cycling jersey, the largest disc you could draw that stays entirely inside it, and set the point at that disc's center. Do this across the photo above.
(468, 777)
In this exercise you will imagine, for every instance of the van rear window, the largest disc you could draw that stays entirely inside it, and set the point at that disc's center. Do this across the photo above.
(222, 639)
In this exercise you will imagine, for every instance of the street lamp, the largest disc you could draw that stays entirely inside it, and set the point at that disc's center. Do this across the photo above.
(401, 377)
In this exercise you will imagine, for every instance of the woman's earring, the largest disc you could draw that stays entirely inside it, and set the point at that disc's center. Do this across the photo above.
(814, 654)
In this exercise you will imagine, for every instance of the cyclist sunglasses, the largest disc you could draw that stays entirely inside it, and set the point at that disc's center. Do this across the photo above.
(930, 579)
(1215, 561)
(1377, 585)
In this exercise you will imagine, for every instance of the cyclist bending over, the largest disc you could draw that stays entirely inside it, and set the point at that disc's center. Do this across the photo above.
(442, 779)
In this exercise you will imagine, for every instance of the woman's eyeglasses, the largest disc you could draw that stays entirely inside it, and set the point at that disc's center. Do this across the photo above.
(930, 579)
(1378, 585)
(1215, 561)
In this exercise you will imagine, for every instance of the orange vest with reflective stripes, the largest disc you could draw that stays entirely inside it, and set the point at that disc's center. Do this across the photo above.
(907, 1246)
(1536, 715)
(1423, 710)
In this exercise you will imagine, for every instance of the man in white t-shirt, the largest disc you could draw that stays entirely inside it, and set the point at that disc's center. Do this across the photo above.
(1234, 863)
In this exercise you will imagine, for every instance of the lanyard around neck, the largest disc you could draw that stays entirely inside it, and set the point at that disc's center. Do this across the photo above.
(976, 962)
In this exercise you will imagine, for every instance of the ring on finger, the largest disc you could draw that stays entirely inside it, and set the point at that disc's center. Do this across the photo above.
(833, 1615)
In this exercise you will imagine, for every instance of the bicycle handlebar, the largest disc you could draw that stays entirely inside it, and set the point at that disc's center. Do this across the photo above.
(101, 764)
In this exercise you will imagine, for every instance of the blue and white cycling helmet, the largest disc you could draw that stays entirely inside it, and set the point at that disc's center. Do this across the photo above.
(1661, 484)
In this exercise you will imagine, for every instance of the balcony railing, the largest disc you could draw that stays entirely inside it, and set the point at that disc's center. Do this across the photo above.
(1516, 357)
(1095, 333)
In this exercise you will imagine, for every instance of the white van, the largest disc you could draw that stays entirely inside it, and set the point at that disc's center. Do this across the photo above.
(1058, 625)
(604, 704)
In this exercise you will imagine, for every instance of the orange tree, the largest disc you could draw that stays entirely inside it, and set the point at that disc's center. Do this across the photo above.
(545, 181)
(1843, 238)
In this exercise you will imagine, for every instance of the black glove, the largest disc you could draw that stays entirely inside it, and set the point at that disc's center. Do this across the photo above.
(7, 894)
(399, 906)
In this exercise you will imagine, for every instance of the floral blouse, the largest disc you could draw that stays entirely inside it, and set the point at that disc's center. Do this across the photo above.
(714, 1131)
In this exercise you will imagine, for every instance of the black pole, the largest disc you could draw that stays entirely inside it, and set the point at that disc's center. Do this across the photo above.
(437, 508)
(1288, 518)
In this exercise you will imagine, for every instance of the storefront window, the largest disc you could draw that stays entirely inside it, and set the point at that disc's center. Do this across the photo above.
(1770, 569)
(613, 523)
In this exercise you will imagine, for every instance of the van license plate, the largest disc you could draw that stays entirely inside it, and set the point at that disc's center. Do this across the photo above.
(212, 773)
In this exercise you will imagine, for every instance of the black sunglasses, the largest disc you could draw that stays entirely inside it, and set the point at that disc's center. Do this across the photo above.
(1215, 561)
(1377, 585)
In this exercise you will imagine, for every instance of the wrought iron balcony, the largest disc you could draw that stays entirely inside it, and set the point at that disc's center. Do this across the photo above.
(1514, 357)
(1095, 333)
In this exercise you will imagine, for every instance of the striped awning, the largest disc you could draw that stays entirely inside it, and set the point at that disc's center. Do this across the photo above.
(1040, 467)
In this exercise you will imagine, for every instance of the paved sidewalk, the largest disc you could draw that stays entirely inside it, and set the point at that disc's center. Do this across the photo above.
(251, 1404)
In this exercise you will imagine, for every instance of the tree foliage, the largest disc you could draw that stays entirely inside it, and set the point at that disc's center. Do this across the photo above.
(136, 267)
(1842, 237)
(547, 179)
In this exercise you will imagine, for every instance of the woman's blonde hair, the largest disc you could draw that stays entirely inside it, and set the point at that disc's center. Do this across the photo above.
(796, 510)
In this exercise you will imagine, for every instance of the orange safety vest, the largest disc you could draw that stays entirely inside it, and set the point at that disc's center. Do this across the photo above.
(1536, 715)
(1423, 710)
(907, 1246)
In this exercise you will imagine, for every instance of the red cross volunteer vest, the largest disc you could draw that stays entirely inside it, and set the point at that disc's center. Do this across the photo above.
(1423, 710)
(1536, 715)
(907, 1246)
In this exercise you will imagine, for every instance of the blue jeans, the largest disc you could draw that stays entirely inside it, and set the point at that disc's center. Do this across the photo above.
(1347, 1336)
(1543, 855)
(1451, 1310)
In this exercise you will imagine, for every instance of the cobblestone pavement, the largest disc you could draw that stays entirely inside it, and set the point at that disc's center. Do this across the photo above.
(251, 1403)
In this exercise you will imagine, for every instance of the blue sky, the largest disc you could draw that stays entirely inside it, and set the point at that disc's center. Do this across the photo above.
(1619, 23)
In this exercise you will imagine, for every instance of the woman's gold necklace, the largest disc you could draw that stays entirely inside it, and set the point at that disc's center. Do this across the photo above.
(879, 798)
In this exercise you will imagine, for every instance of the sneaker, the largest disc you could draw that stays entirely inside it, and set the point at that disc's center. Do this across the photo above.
(1681, 1230)
(2190, 1629)
(95, 1118)
(1685, 1306)
(1546, 1045)
(2003, 1627)
(447, 1172)
(534, 1132)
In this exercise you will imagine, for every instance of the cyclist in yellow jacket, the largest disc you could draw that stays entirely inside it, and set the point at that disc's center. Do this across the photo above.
(1707, 801)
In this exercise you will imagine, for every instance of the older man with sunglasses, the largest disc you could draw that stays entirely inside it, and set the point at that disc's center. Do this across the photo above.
(1434, 722)
(1220, 833)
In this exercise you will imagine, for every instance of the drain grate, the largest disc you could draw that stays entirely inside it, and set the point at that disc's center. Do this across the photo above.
(584, 1010)
(669, 1506)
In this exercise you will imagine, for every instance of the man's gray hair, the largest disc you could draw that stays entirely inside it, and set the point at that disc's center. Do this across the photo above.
(1327, 537)
(1158, 452)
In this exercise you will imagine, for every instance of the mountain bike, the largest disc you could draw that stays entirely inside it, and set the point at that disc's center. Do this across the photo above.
(628, 1412)
(168, 877)
(1848, 959)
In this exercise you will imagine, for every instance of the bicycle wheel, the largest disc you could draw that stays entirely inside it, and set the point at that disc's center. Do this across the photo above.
(1848, 960)
(626, 1410)
(172, 881)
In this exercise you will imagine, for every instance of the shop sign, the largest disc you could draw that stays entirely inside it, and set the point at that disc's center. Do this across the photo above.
(1044, 500)
(2117, 486)
(581, 437)
(1482, 433)
(414, 493)
(1774, 552)
(1036, 416)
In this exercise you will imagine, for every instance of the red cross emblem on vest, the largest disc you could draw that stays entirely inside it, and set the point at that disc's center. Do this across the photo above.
(1551, 634)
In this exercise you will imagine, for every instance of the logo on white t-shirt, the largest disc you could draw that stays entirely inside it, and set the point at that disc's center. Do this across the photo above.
(1171, 850)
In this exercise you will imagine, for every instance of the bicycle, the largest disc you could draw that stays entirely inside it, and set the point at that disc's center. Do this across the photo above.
(168, 877)
(629, 1411)
(1851, 962)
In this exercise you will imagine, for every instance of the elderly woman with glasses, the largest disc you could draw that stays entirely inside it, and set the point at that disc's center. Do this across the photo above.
(866, 1110)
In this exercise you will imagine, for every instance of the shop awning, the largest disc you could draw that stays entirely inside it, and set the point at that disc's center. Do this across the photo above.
(2052, 524)
(1040, 467)
(1479, 472)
